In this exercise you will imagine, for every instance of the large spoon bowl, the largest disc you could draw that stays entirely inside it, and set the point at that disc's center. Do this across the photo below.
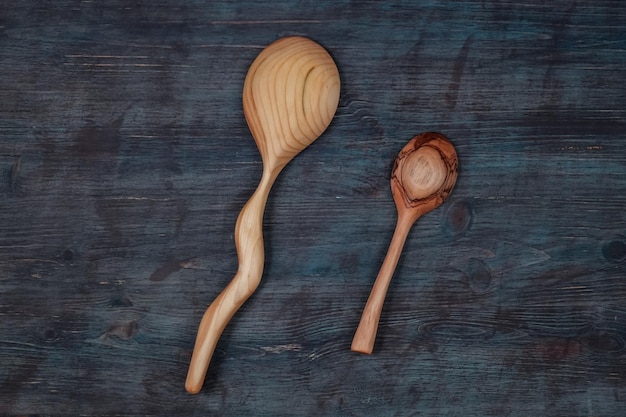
(290, 96)
(423, 176)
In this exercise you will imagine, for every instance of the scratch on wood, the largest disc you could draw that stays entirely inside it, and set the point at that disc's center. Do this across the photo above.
(134, 198)
(579, 148)
(117, 282)
(107, 56)
(120, 330)
(171, 266)
(260, 22)
(123, 330)
(459, 68)
(39, 260)
(282, 348)
(15, 173)
(192, 263)
(104, 64)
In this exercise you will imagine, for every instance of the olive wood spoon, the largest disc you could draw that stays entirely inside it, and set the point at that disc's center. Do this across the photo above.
(423, 176)
(290, 96)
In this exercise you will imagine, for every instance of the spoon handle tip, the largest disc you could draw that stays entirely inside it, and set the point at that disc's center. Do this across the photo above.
(363, 341)
(213, 322)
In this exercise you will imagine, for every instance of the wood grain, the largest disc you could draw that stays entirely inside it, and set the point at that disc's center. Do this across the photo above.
(422, 178)
(125, 158)
(290, 96)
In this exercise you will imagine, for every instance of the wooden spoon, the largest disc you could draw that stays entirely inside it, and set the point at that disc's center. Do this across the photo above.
(423, 175)
(290, 95)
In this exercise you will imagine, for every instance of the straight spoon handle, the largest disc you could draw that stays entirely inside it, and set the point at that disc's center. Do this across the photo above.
(365, 334)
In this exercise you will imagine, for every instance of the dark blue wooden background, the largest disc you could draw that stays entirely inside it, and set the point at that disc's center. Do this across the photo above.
(125, 159)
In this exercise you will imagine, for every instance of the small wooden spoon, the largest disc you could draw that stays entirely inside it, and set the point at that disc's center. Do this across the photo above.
(423, 175)
(290, 95)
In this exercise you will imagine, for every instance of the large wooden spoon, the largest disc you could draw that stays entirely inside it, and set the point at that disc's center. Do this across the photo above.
(423, 175)
(290, 95)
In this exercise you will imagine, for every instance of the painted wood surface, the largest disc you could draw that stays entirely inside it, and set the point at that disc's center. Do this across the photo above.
(125, 159)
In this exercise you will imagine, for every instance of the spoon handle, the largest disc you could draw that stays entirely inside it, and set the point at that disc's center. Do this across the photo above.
(365, 335)
(250, 254)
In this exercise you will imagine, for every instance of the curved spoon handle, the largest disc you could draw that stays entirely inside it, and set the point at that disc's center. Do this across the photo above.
(250, 254)
(365, 335)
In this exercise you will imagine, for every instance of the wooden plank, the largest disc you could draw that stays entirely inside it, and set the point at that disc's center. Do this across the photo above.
(125, 160)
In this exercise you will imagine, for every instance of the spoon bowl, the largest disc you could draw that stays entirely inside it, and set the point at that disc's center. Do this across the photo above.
(290, 96)
(423, 176)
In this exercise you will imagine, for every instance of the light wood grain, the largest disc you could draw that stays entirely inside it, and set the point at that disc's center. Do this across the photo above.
(423, 176)
(290, 96)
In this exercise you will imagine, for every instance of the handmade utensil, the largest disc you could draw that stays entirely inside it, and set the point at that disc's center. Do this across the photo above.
(290, 95)
(423, 175)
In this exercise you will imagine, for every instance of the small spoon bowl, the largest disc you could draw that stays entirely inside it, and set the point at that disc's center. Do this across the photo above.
(423, 176)
(290, 96)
